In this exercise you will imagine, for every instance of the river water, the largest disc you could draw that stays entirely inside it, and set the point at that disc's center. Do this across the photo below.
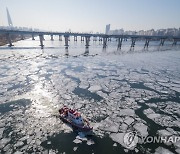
(119, 91)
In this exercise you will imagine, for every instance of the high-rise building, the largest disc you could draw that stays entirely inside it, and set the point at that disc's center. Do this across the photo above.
(107, 28)
(9, 18)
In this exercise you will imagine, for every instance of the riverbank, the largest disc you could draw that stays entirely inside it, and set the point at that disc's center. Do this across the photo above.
(14, 38)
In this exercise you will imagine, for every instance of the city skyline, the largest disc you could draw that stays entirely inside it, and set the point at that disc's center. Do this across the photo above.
(92, 16)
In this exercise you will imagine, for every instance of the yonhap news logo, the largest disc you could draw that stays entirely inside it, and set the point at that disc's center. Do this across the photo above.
(131, 139)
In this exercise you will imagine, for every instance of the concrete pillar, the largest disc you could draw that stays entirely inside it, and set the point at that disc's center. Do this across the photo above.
(87, 38)
(86, 53)
(33, 37)
(146, 45)
(60, 38)
(105, 42)
(94, 38)
(52, 39)
(66, 38)
(100, 38)
(174, 42)
(125, 39)
(162, 42)
(120, 42)
(9, 40)
(41, 38)
(82, 38)
(66, 52)
(75, 38)
(133, 42)
(22, 37)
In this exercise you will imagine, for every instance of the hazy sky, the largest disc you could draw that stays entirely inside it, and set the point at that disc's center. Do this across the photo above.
(92, 15)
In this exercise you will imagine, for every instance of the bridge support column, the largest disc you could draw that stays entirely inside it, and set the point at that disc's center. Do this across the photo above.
(133, 42)
(86, 53)
(174, 42)
(94, 38)
(162, 42)
(100, 38)
(87, 38)
(33, 37)
(41, 38)
(66, 38)
(22, 37)
(119, 43)
(146, 45)
(75, 38)
(60, 38)
(9, 40)
(109, 39)
(82, 38)
(52, 39)
(105, 42)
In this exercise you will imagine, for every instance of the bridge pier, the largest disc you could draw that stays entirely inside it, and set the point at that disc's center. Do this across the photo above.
(41, 38)
(33, 37)
(87, 38)
(105, 42)
(52, 39)
(86, 53)
(60, 38)
(174, 42)
(146, 45)
(9, 40)
(22, 37)
(82, 38)
(75, 38)
(94, 38)
(119, 43)
(133, 42)
(162, 42)
(100, 38)
(66, 38)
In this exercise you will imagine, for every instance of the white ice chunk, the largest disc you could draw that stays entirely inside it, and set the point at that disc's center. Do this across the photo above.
(75, 148)
(129, 112)
(3, 142)
(19, 143)
(153, 116)
(1, 132)
(164, 133)
(162, 150)
(77, 141)
(141, 128)
(95, 88)
(129, 120)
(90, 142)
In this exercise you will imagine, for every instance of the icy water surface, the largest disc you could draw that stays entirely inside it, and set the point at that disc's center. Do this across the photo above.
(118, 91)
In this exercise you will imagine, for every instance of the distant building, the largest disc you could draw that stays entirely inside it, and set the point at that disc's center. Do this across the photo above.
(107, 29)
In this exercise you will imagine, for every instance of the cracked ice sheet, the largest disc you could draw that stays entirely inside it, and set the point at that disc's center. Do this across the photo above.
(112, 108)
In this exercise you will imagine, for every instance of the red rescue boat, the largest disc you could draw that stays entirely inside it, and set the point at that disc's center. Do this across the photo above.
(75, 119)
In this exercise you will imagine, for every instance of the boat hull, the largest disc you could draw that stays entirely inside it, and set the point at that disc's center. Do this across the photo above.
(75, 126)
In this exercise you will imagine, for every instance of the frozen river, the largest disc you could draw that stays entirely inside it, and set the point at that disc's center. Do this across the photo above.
(118, 91)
